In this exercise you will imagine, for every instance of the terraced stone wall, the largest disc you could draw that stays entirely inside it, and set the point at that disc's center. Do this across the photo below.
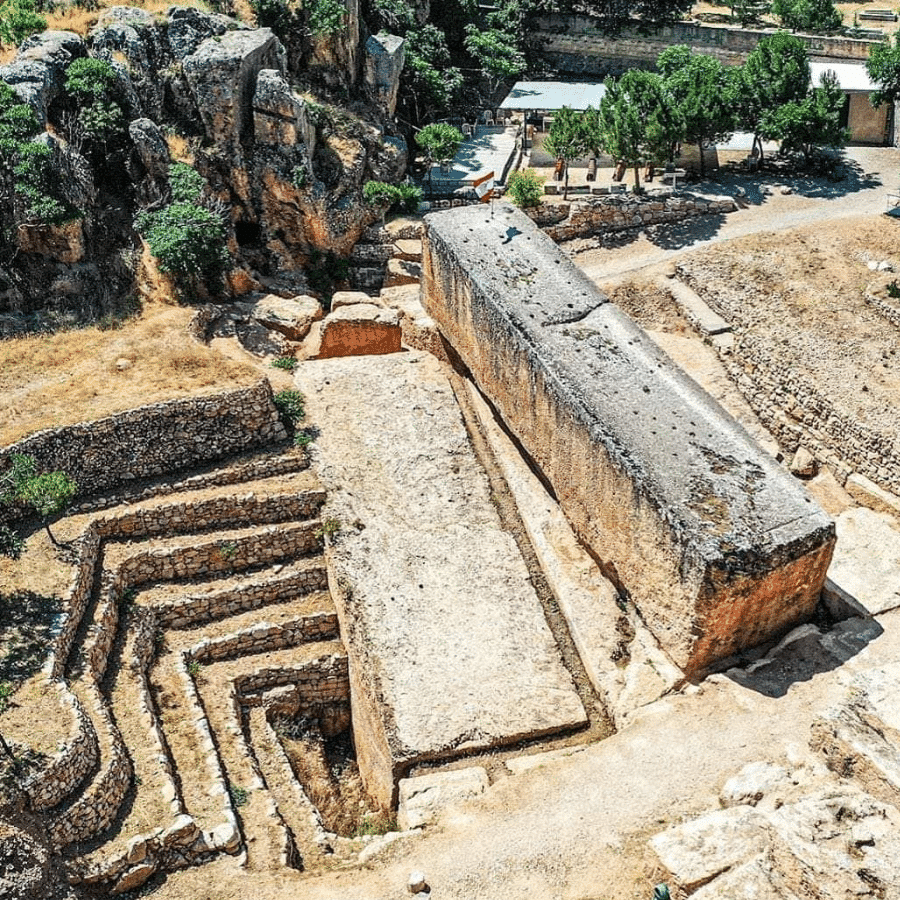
(562, 221)
(796, 412)
(718, 546)
(156, 439)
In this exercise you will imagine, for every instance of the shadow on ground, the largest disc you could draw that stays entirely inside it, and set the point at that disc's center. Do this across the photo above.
(804, 653)
(677, 235)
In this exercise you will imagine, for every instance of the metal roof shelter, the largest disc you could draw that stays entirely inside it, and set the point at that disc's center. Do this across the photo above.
(850, 76)
(552, 95)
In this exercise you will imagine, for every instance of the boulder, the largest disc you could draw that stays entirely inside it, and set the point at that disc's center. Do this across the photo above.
(418, 328)
(221, 75)
(134, 877)
(225, 837)
(182, 831)
(189, 27)
(869, 494)
(416, 883)
(291, 317)
(400, 271)
(804, 464)
(702, 848)
(360, 330)
(385, 55)
(423, 798)
(37, 73)
(389, 159)
(137, 849)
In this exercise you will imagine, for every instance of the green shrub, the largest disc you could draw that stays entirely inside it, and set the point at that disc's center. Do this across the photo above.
(288, 363)
(304, 437)
(239, 796)
(290, 407)
(408, 199)
(19, 19)
(526, 188)
(299, 177)
(326, 16)
(11, 544)
(91, 79)
(379, 193)
(188, 240)
(186, 183)
(401, 197)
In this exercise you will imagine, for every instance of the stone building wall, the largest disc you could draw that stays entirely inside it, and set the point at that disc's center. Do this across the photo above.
(574, 44)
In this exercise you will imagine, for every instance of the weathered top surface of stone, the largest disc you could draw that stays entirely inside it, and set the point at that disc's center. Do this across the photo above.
(444, 622)
(384, 43)
(684, 453)
(189, 27)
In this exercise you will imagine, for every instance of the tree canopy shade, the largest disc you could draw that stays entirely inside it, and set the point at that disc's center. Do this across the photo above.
(883, 66)
(496, 54)
(637, 121)
(808, 15)
(704, 93)
(570, 137)
(776, 72)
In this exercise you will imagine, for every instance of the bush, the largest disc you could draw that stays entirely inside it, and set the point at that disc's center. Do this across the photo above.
(290, 407)
(19, 19)
(284, 362)
(185, 183)
(188, 240)
(401, 197)
(526, 188)
(90, 79)
(326, 16)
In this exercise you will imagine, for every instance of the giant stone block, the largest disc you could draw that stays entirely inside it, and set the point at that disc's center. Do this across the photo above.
(717, 545)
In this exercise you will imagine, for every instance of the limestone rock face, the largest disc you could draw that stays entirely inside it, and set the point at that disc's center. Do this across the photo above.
(188, 28)
(335, 57)
(752, 783)
(423, 798)
(221, 74)
(385, 55)
(360, 330)
(63, 243)
(135, 34)
(37, 73)
(291, 317)
(150, 146)
(279, 117)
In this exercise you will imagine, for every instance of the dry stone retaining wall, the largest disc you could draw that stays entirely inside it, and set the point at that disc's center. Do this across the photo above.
(562, 221)
(71, 764)
(156, 439)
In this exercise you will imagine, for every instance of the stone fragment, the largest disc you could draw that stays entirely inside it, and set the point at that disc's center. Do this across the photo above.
(362, 329)
(134, 877)
(400, 271)
(137, 850)
(804, 464)
(182, 831)
(702, 848)
(416, 883)
(424, 797)
(871, 495)
(411, 251)
(351, 298)
(291, 317)
(752, 783)
(866, 561)
(225, 837)
(418, 328)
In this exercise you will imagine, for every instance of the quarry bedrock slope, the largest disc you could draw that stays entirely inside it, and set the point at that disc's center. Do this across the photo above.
(718, 546)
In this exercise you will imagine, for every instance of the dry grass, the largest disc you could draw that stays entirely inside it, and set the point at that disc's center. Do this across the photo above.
(73, 376)
(180, 149)
(81, 21)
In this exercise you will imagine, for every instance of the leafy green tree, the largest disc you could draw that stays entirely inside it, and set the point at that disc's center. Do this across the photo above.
(440, 142)
(704, 93)
(812, 122)
(820, 16)
(526, 188)
(496, 54)
(394, 16)
(93, 86)
(185, 183)
(428, 83)
(637, 120)
(776, 72)
(19, 19)
(615, 14)
(570, 136)
(326, 17)
(883, 66)
(189, 241)
(48, 493)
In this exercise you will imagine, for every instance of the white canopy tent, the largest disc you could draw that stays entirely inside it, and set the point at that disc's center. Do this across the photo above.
(528, 96)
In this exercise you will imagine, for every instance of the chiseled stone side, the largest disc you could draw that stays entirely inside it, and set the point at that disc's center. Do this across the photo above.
(718, 546)
(449, 650)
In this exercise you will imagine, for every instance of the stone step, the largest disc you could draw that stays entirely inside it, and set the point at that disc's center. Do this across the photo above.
(399, 272)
